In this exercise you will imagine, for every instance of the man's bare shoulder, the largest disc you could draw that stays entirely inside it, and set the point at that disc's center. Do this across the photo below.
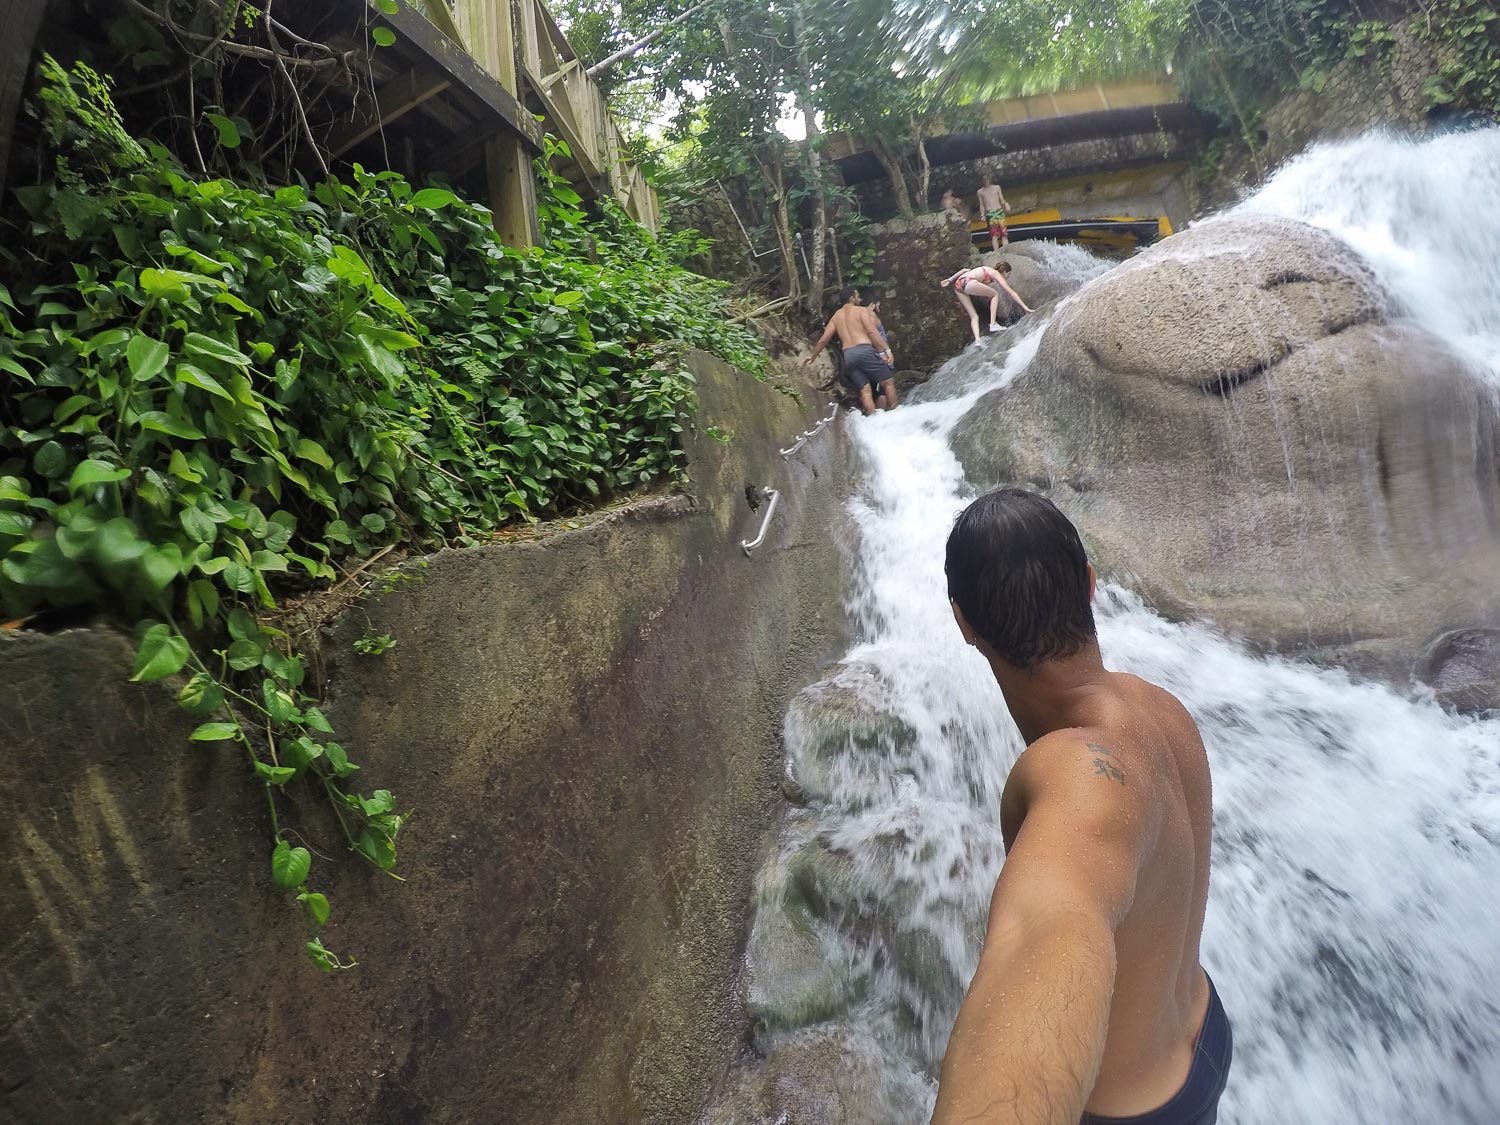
(1065, 756)
(1152, 707)
(1082, 769)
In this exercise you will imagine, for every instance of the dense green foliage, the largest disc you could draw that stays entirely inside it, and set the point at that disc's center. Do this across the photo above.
(210, 392)
(1239, 55)
(1467, 35)
(987, 49)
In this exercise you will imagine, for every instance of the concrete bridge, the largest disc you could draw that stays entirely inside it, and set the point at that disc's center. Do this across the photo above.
(1099, 149)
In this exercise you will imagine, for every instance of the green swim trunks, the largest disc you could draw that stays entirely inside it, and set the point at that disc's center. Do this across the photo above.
(996, 219)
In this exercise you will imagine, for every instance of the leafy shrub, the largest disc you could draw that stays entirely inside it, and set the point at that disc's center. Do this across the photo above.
(210, 391)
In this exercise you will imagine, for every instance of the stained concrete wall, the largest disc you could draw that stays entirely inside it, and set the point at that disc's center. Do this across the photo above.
(586, 727)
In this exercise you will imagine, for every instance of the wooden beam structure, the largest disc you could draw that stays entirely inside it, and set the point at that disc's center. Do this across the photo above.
(460, 97)
(21, 19)
(470, 82)
(520, 43)
(392, 102)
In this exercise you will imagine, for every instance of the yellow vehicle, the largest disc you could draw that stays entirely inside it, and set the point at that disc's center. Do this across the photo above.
(1115, 234)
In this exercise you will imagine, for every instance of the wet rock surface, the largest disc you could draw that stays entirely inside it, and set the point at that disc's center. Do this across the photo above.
(819, 1076)
(1463, 669)
(1246, 429)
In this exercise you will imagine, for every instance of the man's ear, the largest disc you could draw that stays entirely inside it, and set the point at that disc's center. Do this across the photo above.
(1092, 583)
(963, 625)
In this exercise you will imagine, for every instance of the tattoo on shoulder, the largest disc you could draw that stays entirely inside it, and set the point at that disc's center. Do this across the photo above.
(1104, 765)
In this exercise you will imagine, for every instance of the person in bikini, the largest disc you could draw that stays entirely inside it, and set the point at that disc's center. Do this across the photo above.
(1089, 1004)
(983, 283)
(993, 206)
(867, 366)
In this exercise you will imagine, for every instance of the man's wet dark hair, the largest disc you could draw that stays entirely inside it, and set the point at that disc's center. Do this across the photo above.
(847, 294)
(1017, 570)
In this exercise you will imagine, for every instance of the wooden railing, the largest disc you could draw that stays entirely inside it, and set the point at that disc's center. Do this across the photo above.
(522, 47)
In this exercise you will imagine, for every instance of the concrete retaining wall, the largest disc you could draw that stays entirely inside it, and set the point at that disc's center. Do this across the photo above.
(587, 729)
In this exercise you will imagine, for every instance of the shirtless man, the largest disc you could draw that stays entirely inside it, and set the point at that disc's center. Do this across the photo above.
(867, 364)
(993, 206)
(1089, 1003)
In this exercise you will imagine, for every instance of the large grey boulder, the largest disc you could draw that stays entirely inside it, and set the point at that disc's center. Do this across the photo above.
(1246, 428)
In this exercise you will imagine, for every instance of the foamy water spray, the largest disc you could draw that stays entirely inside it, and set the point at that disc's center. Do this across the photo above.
(1354, 918)
(1418, 212)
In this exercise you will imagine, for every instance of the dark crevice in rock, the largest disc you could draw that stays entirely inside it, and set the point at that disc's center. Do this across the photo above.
(1383, 467)
(1231, 380)
(1287, 277)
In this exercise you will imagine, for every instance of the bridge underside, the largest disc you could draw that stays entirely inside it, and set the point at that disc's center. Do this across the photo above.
(1026, 157)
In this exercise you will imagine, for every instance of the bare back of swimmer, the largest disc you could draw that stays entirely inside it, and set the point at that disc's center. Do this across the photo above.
(1089, 1003)
(867, 358)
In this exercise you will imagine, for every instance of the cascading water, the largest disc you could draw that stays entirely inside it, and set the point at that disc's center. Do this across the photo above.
(1418, 213)
(1352, 927)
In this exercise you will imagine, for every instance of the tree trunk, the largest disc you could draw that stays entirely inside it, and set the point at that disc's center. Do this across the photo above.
(770, 170)
(768, 162)
(811, 146)
(924, 164)
(892, 165)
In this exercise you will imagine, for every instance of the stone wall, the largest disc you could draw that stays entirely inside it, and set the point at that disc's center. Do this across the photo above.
(1357, 95)
(586, 727)
(926, 325)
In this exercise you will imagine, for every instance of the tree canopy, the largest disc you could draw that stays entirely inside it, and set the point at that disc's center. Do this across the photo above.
(718, 86)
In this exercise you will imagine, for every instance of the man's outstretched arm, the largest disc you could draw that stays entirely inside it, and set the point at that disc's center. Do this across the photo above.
(1030, 1036)
(821, 344)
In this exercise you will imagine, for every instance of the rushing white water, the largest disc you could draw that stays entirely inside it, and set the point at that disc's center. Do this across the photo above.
(1418, 211)
(1353, 925)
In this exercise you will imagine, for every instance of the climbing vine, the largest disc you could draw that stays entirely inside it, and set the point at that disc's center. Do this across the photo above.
(1466, 34)
(215, 394)
(1237, 56)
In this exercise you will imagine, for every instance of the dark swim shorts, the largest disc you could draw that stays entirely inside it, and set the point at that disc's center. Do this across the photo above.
(864, 368)
(1197, 1103)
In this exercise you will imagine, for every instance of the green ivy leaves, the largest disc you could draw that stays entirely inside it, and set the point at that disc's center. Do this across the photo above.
(162, 653)
(289, 865)
(213, 393)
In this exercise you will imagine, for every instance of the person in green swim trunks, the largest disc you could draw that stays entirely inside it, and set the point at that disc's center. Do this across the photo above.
(993, 206)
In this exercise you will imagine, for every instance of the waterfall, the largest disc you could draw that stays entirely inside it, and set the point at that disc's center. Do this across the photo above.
(1417, 212)
(1353, 927)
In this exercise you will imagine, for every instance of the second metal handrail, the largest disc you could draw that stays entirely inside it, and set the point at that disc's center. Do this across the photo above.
(802, 438)
(772, 495)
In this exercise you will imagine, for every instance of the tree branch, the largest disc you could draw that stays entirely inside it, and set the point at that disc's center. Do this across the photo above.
(292, 86)
(218, 42)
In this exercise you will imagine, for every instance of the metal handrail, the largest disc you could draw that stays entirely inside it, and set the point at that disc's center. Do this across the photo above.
(773, 496)
(803, 437)
(750, 544)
